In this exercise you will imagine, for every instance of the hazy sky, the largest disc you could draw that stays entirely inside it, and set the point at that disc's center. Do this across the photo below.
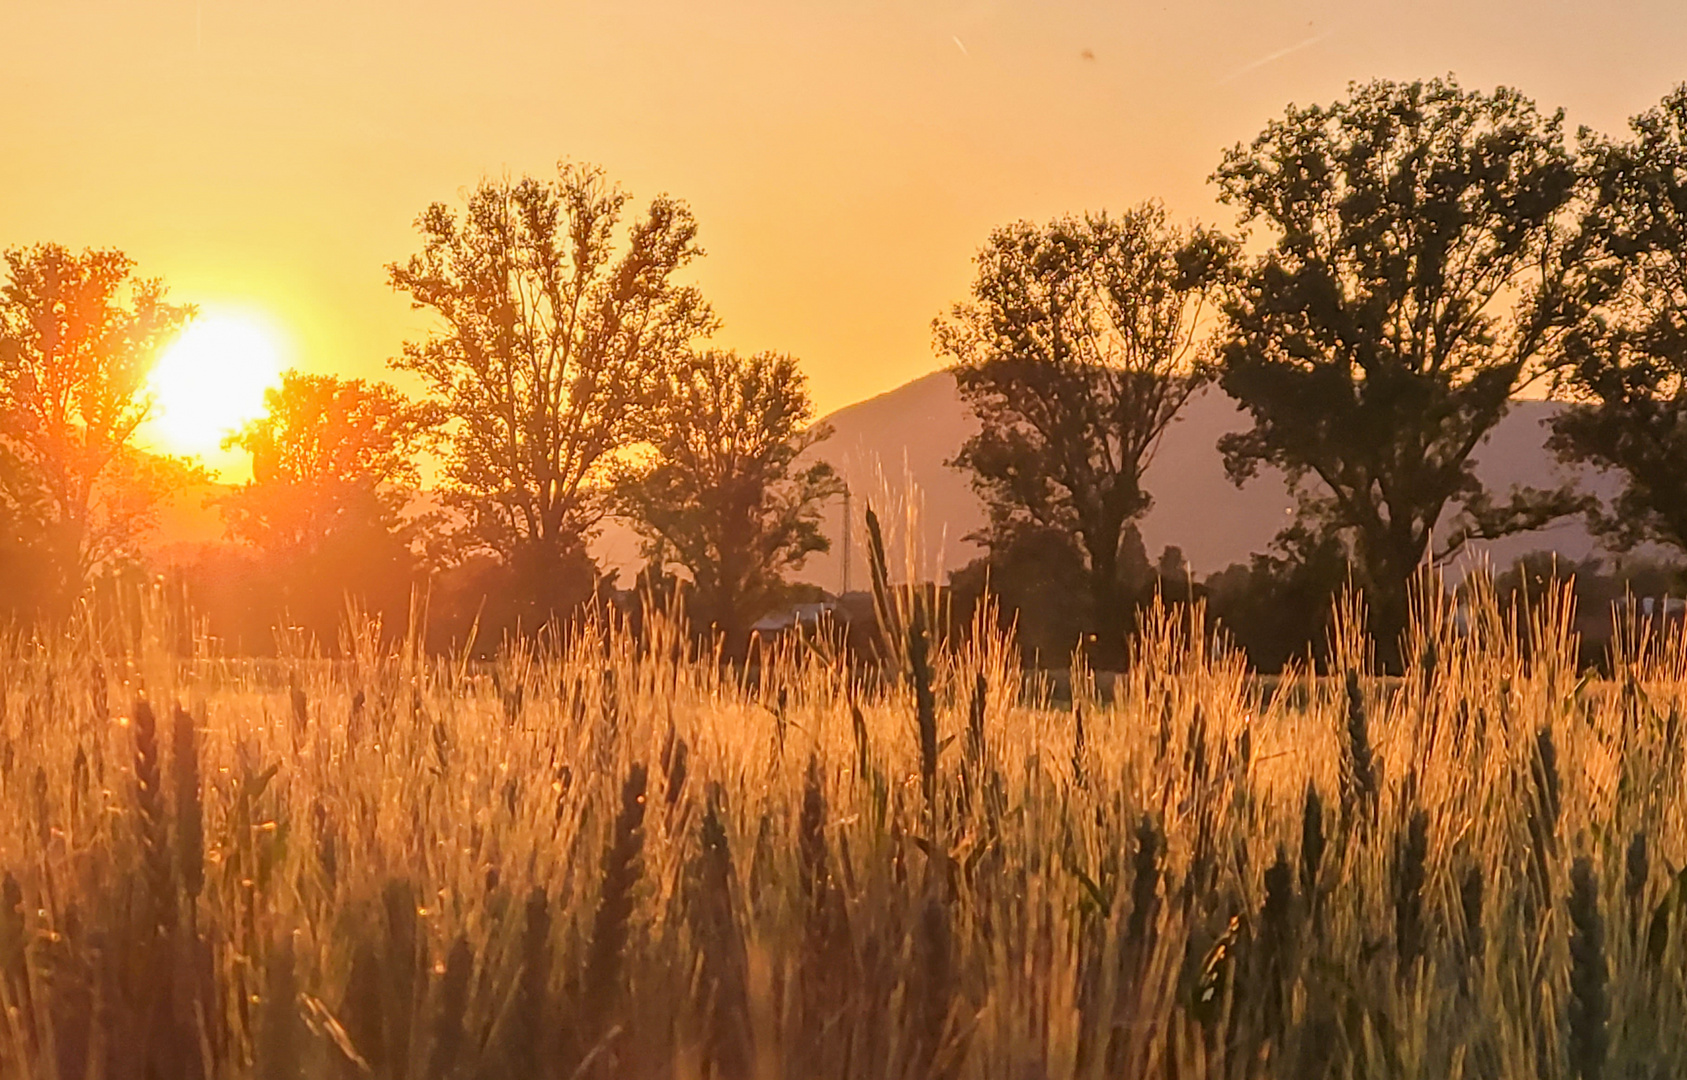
(844, 159)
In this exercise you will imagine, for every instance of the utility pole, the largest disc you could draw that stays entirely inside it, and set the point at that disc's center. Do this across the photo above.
(847, 530)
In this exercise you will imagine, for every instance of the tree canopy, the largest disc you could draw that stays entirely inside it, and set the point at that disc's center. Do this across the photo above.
(327, 449)
(78, 336)
(554, 332)
(327, 512)
(723, 493)
(1422, 268)
(1082, 341)
(1628, 358)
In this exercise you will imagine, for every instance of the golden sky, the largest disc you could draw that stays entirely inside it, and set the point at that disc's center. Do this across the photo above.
(844, 159)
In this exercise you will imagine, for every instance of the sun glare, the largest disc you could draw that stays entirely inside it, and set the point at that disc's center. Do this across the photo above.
(211, 381)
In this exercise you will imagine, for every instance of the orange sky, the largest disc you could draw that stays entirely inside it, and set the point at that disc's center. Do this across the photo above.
(844, 159)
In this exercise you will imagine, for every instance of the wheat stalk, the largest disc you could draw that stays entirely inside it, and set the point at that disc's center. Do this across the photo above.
(610, 926)
(1588, 1007)
(154, 827)
(714, 923)
(400, 973)
(280, 1050)
(448, 1033)
(190, 814)
(1408, 893)
(1361, 788)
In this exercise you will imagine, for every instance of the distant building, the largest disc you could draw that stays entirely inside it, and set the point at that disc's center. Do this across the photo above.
(1669, 608)
(803, 617)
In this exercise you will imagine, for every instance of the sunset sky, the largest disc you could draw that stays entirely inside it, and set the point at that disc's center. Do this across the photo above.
(844, 159)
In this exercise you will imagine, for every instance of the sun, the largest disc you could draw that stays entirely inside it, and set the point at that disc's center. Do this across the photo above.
(210, 382)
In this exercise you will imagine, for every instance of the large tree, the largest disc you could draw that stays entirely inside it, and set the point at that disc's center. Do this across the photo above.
(1421, 270)
(1082, 341)
(329, 507)
(78, 336)
(723, 493)
(1629, 357)
(553, 332)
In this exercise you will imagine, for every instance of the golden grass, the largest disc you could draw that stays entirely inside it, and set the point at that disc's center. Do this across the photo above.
(606, 860)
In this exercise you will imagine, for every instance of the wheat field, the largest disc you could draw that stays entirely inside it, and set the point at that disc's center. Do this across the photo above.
(610, 859)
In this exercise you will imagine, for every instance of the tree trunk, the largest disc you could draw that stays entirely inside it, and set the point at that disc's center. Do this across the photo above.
(1111, 614)
(1389, 565)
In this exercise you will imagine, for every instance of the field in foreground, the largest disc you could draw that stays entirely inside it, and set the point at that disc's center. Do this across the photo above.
(607, 861)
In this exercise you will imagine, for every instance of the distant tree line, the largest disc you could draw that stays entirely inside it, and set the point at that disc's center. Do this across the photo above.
(1407, 260)
(564, 381)
(1425, 253)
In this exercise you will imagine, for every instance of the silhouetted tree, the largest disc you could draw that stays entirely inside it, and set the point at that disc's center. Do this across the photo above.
(1422, 270)
(1040, 582)
(1629, 357)
(1081, 342)
(655, 591)
(1173, 565)
(328, 505)
(1277, 606)
(78, 336)
(550, 346)
(723, 494)
(1607, 593)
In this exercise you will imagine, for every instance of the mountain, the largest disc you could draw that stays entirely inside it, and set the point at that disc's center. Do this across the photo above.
(898, 442)
(892, 451)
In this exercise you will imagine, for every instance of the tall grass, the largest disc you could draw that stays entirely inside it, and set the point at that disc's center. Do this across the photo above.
(402, 866)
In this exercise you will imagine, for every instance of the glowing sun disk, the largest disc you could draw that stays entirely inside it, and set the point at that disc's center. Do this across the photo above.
(210, 382)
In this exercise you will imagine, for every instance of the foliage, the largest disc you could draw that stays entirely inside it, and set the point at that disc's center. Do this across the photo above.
(1615, 597)
(722, 493)
(78, 336)
(550, 344)
(1597, 583)
(1081, 343)
(326, 449)
(327, 508)
(1276, 607)
(1629, 357)
(1422, 269)
(1039, 586)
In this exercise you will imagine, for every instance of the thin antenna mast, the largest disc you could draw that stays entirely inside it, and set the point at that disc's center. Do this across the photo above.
(847, 530)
